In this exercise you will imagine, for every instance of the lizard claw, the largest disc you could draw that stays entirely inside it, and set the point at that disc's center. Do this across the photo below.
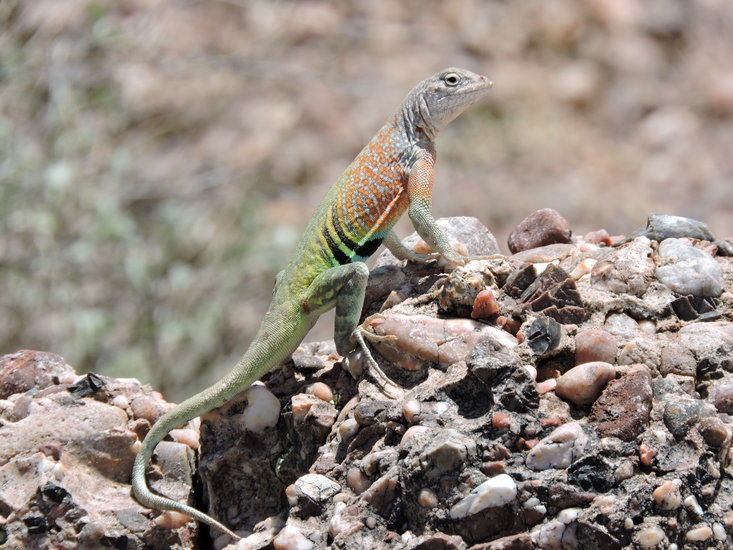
(356, 359)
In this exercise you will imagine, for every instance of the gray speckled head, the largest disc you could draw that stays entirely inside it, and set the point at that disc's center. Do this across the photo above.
(437, 100)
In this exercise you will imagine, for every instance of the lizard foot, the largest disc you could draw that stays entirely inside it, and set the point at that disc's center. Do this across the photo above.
(386, 386)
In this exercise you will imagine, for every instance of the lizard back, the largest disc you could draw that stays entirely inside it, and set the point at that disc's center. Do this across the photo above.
(359, 210)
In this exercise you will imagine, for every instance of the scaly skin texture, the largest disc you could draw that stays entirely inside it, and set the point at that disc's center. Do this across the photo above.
(391, 175)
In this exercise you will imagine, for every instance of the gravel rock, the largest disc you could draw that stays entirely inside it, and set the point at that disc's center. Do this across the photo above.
(595, 345)
(540, 228)
(583, 384)
(624, 408)
(559, 449)
(691, 271)
(663, 226)
(65, 461)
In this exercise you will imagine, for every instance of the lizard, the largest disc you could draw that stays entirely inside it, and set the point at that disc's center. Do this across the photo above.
(393, 174)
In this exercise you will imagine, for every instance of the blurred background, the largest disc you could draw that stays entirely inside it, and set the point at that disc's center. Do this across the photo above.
(160, 158)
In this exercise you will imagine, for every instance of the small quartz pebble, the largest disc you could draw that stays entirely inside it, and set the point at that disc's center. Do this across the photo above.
(583, 268)
(427, 498)
(290, 538)
(719, 531)
(649, 538)
(667, 495)
(300, 404)
(262, 410)
(171, 520)
(186, 436)
(595, 345)
(690, 271)
(693, 506)
(348, 428)
(316, 487)
(699, 534)
(321, 391)
(559, 449)
(600, 236)
(410, 409)
(357, 480)
(543, 227)
(497, 491)
(121, 401)
(413, 433)
(583, 384)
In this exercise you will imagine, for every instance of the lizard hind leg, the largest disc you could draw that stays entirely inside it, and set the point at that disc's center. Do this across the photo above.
(343, 287)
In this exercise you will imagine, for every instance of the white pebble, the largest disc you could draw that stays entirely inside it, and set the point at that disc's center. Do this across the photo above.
(531, 371)
(691, 271)
(262, 410)
(497, 491)
(321, 391)
(583, 384)
(531, 502)
(348, 429)
(719, 531)
(410, 409)
(121, 401)
(699, 534)
(290, 538)
(568, 515)
(584, 267)
(339, 525)
(559, 449)
(549, 535)
(628, 523)
(668, 496)
(427, 498)
(648, 326)
(693, 506)
(317, 487)
(649, 538)
(186, 436)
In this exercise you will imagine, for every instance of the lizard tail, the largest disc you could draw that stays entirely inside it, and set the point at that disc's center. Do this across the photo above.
(213, 397)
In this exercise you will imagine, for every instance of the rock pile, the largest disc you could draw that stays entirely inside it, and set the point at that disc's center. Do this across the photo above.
(574, 395)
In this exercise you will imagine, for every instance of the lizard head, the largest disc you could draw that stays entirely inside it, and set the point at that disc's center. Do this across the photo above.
(438, 100)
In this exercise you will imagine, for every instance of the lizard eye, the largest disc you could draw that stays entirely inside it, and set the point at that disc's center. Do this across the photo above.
(451, 79)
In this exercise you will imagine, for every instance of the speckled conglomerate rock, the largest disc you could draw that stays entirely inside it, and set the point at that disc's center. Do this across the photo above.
(473, 448)
(588, 407)
(67, 444)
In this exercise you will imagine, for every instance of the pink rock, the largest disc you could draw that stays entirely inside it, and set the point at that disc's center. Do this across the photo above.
(583, 384)
(600, 236)
(595, 345)
(540, 228)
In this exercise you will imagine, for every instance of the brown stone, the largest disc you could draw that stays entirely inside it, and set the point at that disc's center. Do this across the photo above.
(543, 227)
(595, 345)
(624, 407)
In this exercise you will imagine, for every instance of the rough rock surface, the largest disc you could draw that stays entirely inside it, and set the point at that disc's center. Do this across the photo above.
(471, 448)
(67, 444)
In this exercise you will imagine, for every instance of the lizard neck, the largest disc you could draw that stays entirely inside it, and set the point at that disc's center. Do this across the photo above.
(414, 124)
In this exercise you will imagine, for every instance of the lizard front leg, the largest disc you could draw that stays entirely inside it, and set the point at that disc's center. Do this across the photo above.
(420, 191)
(401, 252)
(344, 287)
